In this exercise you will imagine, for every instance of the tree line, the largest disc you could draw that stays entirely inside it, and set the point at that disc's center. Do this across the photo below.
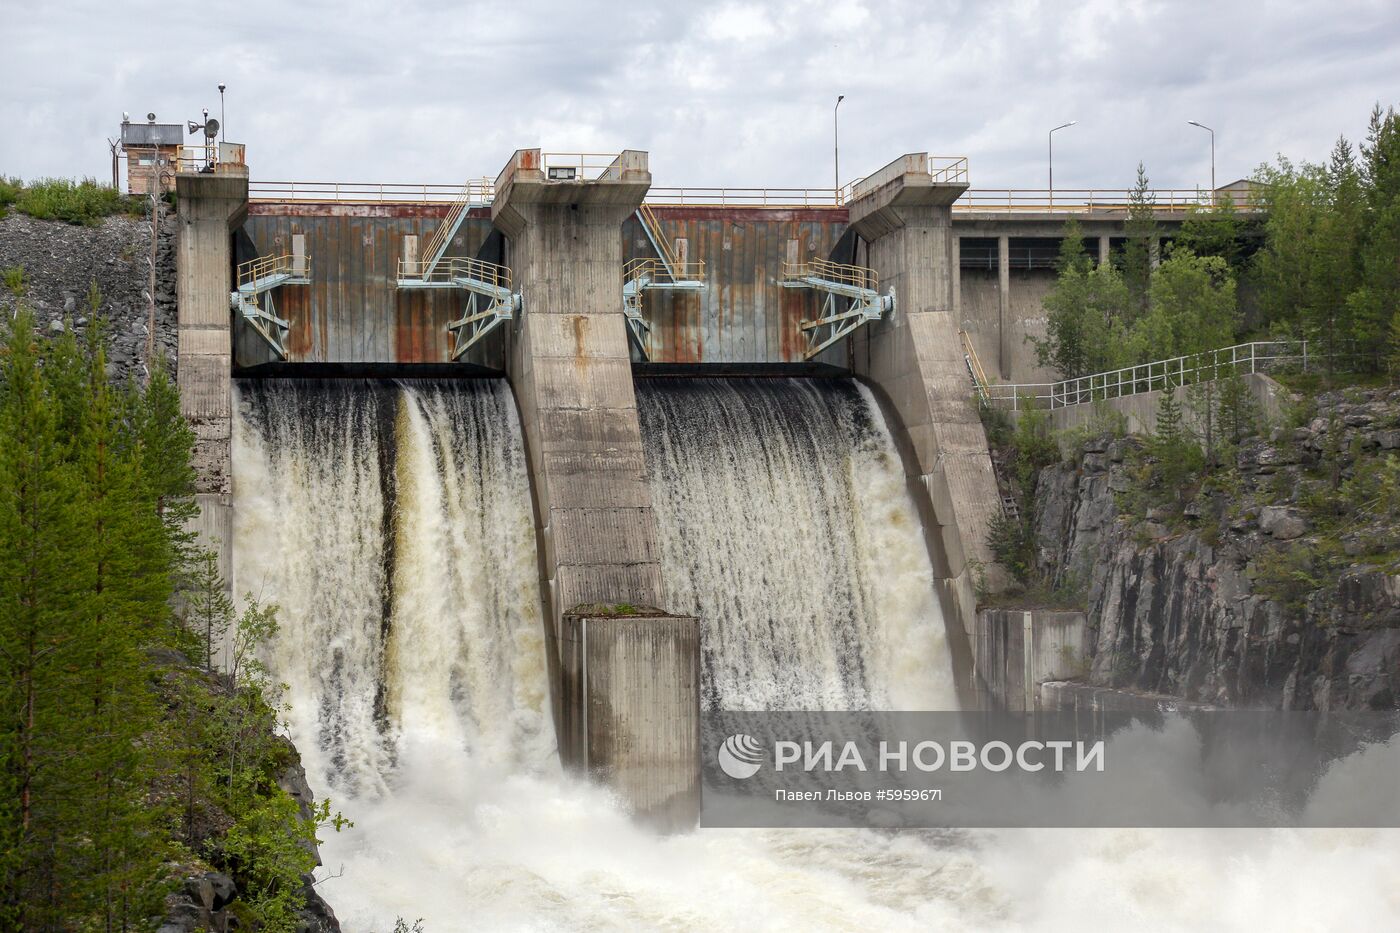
(1318, 256)
(129, 757)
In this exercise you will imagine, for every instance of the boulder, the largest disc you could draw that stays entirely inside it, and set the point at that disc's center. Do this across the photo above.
(1282, 523)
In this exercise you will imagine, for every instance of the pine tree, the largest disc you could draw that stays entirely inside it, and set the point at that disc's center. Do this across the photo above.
(1377, 299)
(1140, 250)
(1084, 312)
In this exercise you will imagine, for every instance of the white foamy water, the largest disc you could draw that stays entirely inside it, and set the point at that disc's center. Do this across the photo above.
(788, 529)
(393, 525)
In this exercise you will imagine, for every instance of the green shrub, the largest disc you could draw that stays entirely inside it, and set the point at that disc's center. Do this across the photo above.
(9, 192)
(15, 281)
(83, 202)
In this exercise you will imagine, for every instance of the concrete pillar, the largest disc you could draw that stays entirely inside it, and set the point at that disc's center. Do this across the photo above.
(1103, 250)
(631, 687)
(1003, 299)
(210, 207)
(571, 368)
(957, 279)
(914, 356)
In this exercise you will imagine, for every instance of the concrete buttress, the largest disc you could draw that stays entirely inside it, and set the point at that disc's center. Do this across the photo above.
(210, 207)
(916, 358)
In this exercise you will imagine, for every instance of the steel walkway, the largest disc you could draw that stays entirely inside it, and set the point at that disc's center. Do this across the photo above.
(857, 286)
(257, 279)
(490, 300)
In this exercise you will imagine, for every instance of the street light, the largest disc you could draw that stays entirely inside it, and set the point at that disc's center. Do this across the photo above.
(1050, 145)
(1212, 157)
(836, 145)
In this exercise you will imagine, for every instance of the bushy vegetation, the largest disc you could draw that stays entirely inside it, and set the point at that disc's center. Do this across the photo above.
(123, 763)
(1324, 270)
(76, 202)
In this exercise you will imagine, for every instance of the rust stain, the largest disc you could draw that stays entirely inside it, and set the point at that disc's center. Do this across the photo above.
(580, 326)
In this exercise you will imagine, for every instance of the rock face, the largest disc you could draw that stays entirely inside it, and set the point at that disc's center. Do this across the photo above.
(61, 261)
(1178, 611)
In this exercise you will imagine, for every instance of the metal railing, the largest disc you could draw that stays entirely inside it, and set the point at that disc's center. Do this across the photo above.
(257, 271)
(1080, 200)
(655, 270)
(838, 272)
(479, 190)
(657, 236)
(944, 170)
(745, 197)
(587, 166)
(453, 268)
(1239, 360)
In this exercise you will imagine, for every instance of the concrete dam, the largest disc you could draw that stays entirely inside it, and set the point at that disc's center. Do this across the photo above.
(539, 474)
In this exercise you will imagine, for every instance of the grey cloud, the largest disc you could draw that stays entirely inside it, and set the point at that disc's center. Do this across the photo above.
(736, 93)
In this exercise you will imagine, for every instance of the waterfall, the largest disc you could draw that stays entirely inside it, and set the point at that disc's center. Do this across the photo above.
(787, 527)
(391, 524)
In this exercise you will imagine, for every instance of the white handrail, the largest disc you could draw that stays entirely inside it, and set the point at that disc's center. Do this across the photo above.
(1237, 360)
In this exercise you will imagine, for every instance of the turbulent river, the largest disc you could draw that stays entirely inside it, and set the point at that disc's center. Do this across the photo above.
(392, 524)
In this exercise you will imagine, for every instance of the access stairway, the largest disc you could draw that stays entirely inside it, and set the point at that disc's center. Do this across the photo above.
(490, 300)
(856, 286)
(257, 279)
(668, 271)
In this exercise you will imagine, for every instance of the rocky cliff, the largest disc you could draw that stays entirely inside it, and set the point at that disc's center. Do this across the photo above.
(60, 262)
(1276, 585)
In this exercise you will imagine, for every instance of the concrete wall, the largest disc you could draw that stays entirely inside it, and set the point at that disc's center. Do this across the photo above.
(1018, 649)
(999, 334)
(1140, 411)
(631, 688)
(210, 207)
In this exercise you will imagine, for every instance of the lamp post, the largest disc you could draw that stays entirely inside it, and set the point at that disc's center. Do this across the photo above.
(223, 128)
(1212, 156)
(836, 147)
(1050, 146)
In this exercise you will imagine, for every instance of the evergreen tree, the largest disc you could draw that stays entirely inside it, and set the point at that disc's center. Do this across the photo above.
(1140, 250)
(1377, 300)
(1084, 312)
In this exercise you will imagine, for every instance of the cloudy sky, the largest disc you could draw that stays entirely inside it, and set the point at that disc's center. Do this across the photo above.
(732, 93)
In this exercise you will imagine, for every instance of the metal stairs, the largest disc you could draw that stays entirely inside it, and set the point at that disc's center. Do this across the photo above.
(474, 193)
(856, 285)
(257, 279)
(668, 271)
(490, 300)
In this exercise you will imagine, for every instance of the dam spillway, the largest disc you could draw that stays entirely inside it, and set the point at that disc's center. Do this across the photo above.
(391, 523)
(787, 528)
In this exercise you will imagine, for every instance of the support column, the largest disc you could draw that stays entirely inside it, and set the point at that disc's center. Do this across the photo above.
(957, 279)
(1103, 250)
(1003, 300)
(631, 687)
(210, 207)
(571, 368)
(914, 356)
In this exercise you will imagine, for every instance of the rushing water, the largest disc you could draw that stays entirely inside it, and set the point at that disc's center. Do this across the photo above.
(787, 528)
(392, 524)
